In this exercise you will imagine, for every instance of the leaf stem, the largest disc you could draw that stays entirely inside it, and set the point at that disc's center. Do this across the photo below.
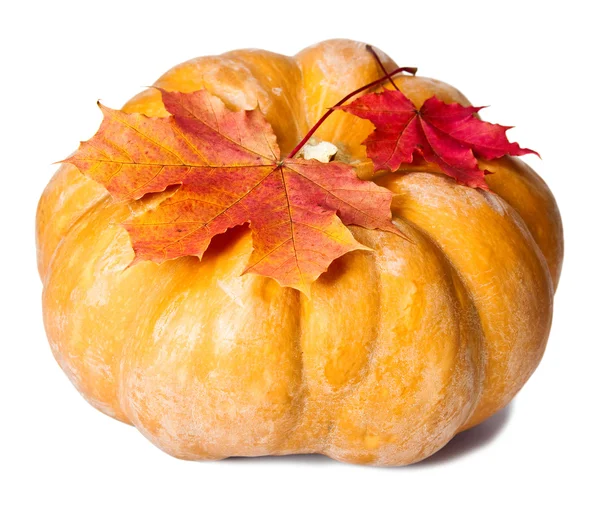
(331, 110)
(372, 52)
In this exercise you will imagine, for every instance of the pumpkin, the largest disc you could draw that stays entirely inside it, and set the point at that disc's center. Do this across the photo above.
(395, 351)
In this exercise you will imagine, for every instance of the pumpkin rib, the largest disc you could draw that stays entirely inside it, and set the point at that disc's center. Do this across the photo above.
(68, 196)
(470, 334)
(299, 401)
(476, 337)
(372, 349)
(334, 346)
(524, 190)
(243, 80)
(286, 104)
(329, 447)
(366, 389)
(233, 361)
(487, 239)
(82, 216)
(76, 288)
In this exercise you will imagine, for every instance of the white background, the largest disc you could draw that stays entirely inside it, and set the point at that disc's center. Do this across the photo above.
(534, 62)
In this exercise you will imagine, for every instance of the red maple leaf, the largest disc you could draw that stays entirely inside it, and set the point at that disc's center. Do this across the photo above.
(448, 135)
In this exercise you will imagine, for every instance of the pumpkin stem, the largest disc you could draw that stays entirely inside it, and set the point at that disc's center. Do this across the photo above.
(374, 53)
(331, 110)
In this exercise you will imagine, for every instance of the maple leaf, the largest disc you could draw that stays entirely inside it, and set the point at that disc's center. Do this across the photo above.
(448, 135)
(229, 171)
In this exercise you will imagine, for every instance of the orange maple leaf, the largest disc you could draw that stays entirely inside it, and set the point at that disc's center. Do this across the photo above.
(230, 172)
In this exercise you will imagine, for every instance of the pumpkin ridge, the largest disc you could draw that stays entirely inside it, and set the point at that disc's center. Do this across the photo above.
(83, 216)
(262, 65)
(399, 444)
(48, 206)
(299, 402)
(475, 337)
(302, 93)
(373, 346)
(516, 316)
(472, 320)
(529, 195)
(83, 360)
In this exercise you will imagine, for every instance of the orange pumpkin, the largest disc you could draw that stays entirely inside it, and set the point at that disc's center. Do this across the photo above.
(395, 351)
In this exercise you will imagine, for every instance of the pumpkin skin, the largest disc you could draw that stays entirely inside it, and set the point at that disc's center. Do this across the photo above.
(395, 351)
